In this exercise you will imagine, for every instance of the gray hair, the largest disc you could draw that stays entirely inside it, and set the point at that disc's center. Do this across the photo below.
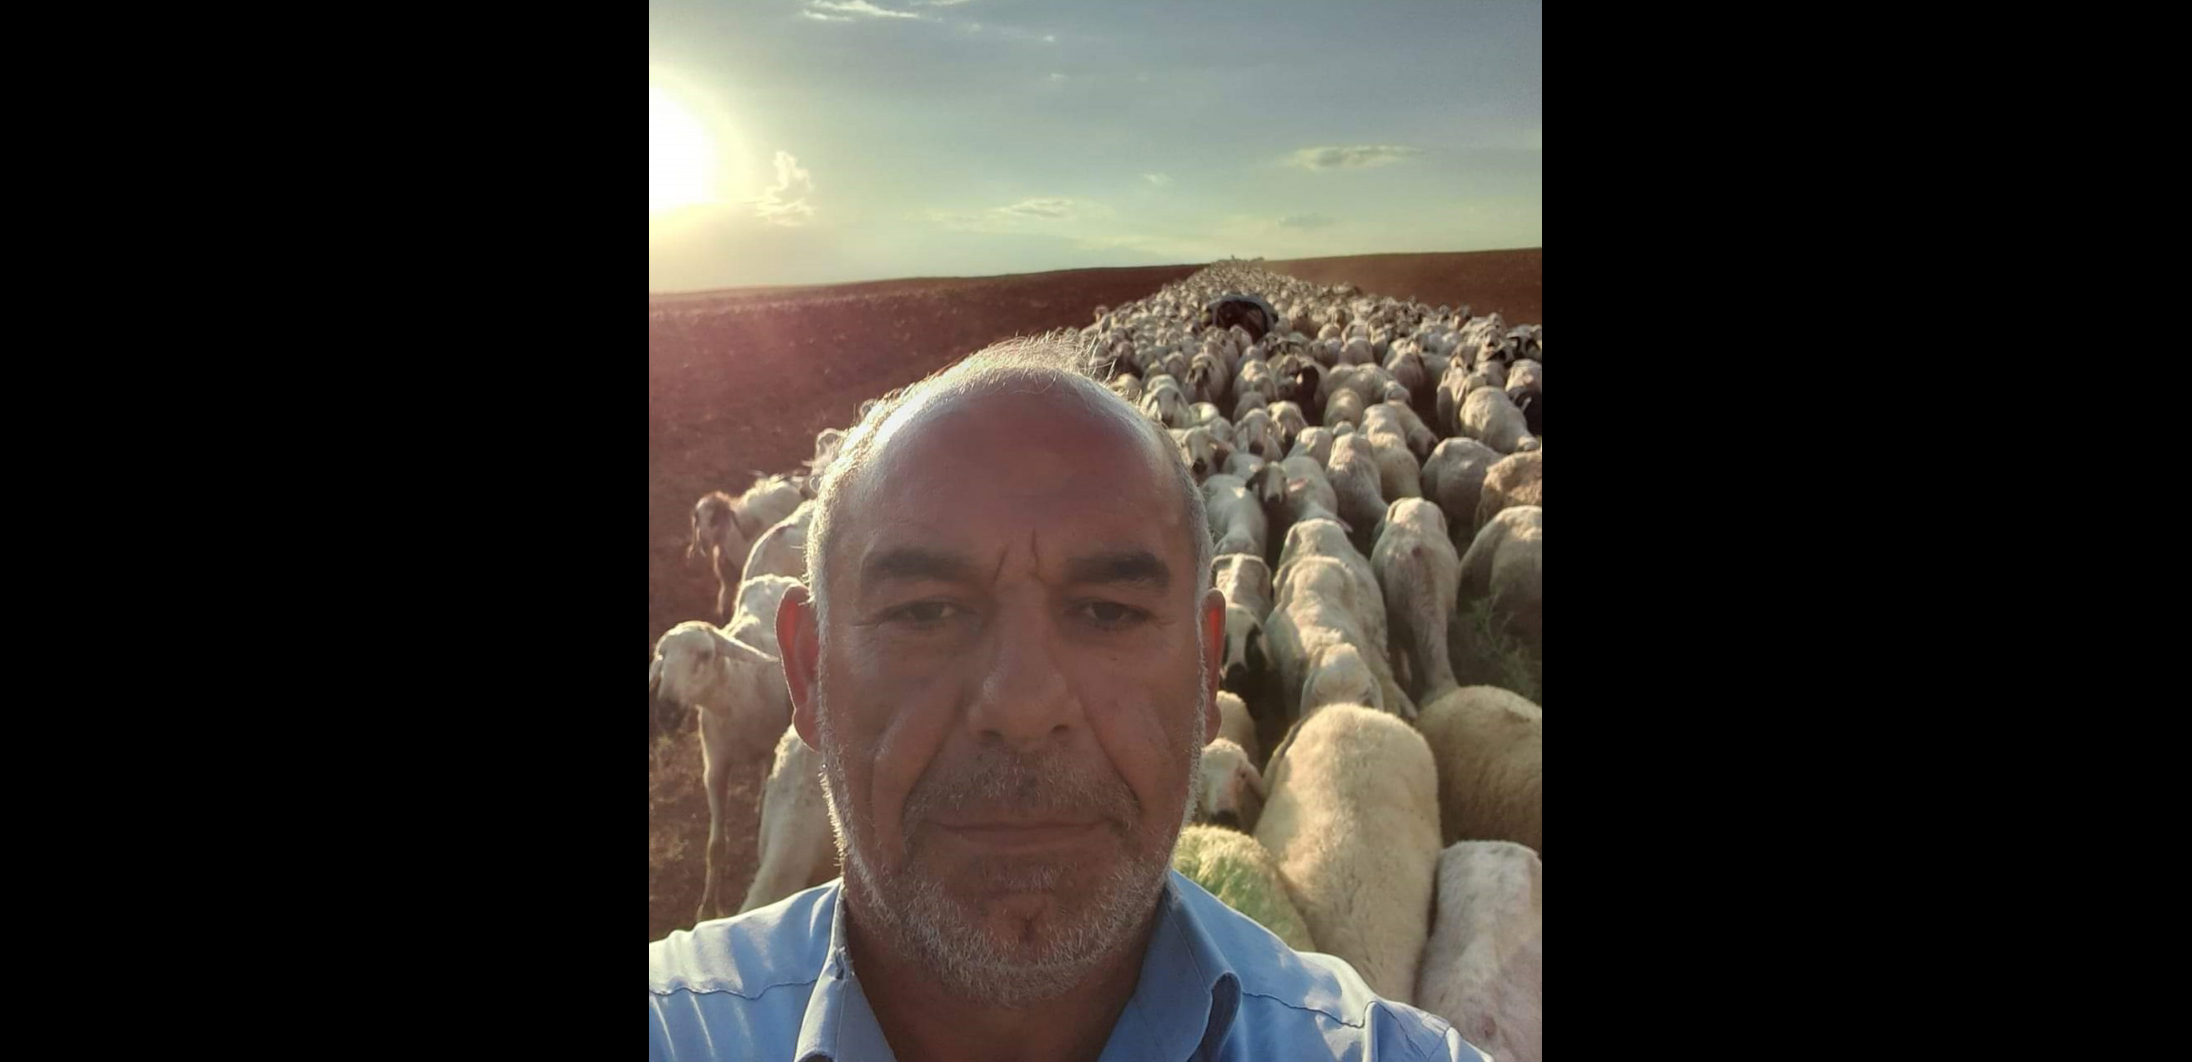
(1060, 360)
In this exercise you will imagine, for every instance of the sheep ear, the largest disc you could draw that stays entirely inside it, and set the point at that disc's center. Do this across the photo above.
(1254, 653)
(654, 679)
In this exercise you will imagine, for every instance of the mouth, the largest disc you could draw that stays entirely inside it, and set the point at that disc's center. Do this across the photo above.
(1014, 836)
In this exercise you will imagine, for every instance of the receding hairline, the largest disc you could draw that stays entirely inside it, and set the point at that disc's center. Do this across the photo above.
(1052, 364)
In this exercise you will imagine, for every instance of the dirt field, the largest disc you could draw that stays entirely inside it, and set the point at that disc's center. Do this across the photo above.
(739, 382)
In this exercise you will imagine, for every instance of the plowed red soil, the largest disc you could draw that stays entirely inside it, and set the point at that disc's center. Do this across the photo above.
(739, 382)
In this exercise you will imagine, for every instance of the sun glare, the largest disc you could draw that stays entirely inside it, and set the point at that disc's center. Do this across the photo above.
(680, 155)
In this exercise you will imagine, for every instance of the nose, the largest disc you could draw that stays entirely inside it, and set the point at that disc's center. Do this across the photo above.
(1023, 697)
(1199, 468)
(1228, 819)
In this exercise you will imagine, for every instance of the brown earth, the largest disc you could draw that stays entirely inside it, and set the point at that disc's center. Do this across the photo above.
(740, 381)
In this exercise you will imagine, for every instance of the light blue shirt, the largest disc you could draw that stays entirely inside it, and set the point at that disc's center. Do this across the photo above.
(772, 985)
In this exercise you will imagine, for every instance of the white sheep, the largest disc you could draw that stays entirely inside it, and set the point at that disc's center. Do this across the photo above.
(1229, 790)
(1201, 451)
(1421, 439)
(1236, 515)
(1309, 493)
(1453, 386)
(782, 549)
(1128, 386)
(1245, 580)
(1243, 465)
(754, 622)
(1236, 725)
(1354, 474)
(1454, 479)
(1526, 386)
(1237, 869)
(1514, 480)
(1352, 821)
(1420, 574)
(1254, 378)
(1337, 673)
(1490, 417)
(739, 691)
(1207, 376)
(1399, 469)
(1408, 369)
(1329, 538)
(1489, 744)
(1315, 444)
(1297, 377)
(1247, 667)
(1164, 402)
(1253, 433)
(1483, 966)
(724, 528)
(798, 849)
(1344, 407)
(1506, 562)
(1289, 422)
(1320, 605)
(1208, 416)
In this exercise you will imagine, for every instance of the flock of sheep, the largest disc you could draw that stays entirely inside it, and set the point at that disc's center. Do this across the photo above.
(1372, 470)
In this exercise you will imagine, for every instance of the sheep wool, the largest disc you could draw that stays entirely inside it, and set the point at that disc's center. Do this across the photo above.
(1236, 868)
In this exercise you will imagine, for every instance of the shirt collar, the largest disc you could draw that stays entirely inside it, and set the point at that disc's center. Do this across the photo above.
(1182, 1007)
(838, 1024)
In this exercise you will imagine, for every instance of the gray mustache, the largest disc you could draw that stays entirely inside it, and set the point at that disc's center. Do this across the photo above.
(1000, 779)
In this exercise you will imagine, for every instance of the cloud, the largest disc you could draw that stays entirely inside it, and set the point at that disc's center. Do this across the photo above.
(1050, 38)
(1057, 77)
(1304, 221)
(1039, 208)
(1158, 179)
(849, 8)
(779, 203)
(939, 3)
(826, 18)
(1333, 158)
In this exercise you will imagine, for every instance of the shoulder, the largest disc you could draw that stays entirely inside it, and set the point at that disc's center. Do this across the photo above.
(783, 943)
(1308, 1005)
(738, 980)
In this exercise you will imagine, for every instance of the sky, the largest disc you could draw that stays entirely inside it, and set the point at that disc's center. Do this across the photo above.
(830, 141)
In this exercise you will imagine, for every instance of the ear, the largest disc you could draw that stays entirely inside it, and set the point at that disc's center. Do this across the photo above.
(1256, 659)
(1222, 451)
(1212, 617)
(797, 637)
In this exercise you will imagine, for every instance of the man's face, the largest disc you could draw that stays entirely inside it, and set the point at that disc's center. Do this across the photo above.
(1010, 694)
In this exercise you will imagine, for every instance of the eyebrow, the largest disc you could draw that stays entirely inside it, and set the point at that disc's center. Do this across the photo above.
(1137, 566)
(914, 564)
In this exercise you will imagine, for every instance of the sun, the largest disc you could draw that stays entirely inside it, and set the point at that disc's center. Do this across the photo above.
(681, 156)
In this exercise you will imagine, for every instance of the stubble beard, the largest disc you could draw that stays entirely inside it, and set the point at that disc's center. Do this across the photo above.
(925, 923)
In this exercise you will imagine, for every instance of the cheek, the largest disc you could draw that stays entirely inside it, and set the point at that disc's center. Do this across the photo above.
(1141, 716)
(892, 720)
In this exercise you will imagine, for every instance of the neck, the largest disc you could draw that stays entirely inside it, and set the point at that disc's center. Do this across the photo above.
(923, 1021)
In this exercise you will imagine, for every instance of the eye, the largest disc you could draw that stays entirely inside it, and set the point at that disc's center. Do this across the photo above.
(923, 613)
(1111, 615)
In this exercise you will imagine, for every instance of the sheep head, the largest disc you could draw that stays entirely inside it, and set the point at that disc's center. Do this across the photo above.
(716, 521)
(1229, 791)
